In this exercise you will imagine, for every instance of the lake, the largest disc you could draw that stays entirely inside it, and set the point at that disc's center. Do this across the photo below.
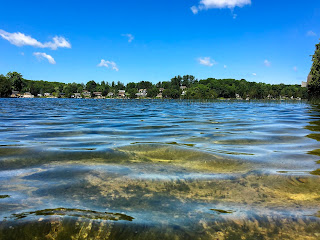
(159, 169)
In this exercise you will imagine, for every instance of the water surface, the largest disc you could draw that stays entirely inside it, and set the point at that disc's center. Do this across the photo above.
(120, 169)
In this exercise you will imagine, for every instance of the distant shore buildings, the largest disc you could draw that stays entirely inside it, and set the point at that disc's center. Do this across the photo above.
(28, 95)
(142, 93)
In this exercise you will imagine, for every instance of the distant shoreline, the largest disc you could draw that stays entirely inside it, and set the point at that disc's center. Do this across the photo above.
(168, 99)
(179, 87)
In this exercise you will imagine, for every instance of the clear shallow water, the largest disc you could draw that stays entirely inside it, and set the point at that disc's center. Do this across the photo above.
(114, 169)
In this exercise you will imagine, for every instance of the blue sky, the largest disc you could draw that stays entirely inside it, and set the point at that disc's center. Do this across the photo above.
(77, 41)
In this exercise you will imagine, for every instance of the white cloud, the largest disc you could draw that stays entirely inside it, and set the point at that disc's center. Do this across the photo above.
(295, 68)
(57, 42)
(129, 36)
(254, 74)
(267, 63)
(194, 9)
(206, 61)
(20, 39)
(311, 34)
(22, 53)
(41, 56)
(231, 4)
(108, 64)
(225, 66)
(234, 16)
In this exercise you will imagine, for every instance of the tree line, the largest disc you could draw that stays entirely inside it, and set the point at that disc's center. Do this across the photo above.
(314, 84)
(193, 88)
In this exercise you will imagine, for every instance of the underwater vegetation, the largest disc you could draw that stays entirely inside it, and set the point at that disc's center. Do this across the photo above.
(173, 170)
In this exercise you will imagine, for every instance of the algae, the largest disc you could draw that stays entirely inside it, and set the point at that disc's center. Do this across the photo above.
(315, 172)
(219, 211)
(4, 196)
(79, 213)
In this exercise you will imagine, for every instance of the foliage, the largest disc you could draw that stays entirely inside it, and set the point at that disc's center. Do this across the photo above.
(41, 87)
(144, 85)
(16, 80)
(228, 88)
(91, 86)
(132, 92)
(171, 93)
(153, 92)
(210, 88)
(314, 85)
(5, 86)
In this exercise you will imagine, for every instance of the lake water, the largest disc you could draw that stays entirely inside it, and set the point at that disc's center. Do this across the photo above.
(152, 169)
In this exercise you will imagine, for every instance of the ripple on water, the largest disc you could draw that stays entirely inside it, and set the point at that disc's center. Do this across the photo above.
(158, 169)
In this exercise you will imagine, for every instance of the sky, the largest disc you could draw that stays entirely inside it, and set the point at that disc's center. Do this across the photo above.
(147, 40)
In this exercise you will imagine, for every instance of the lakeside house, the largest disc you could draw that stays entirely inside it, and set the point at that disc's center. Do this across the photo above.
(122, 93)
(184, 90)
(86, 94)
(160, 93)
(98, 95)
(142, 93)
(238, 97)
(15, 94)
(76, 95)
(28, 95)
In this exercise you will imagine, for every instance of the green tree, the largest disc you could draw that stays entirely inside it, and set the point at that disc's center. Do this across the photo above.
(144, 85)
(153, 92)
(166, 93)
(131, 85)
(132, 92)
(105, 90)
(119, 86)
(186, 80)
(91, 86)
(5, 86)
(176, 82)
(16, 80)
(314, 85)
(56, 92)
(171, 93)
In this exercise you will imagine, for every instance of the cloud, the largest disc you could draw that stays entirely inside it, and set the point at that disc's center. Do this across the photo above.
(108, 64)
(129, 36)
(295, 68)
(225, 66)
(206, 61)
(208, 4)
(41, 56)
(267, 63)
(311, 34)
(254, 74)
(57, 42)
(20, 39)
(194, 9)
